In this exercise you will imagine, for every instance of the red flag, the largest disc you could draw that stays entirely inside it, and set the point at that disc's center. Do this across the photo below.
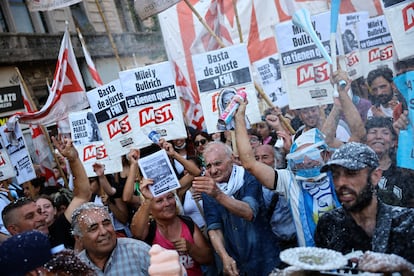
(91, 66)
(192, 107)
(67, 93)
(40, 144)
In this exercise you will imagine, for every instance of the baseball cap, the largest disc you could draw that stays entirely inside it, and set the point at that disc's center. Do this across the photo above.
(353, 156)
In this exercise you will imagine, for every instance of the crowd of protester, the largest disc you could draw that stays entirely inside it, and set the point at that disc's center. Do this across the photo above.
(245, 195)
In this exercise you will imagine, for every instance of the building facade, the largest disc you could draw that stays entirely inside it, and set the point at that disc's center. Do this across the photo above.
(30, 41)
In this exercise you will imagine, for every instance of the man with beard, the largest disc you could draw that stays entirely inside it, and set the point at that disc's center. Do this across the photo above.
(364, 222)
(384, 94)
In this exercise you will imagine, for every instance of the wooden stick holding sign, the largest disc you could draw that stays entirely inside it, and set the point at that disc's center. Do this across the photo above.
(237, 20)
(220, 42)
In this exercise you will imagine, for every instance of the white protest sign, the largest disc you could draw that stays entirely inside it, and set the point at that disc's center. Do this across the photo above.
(108, 104)
(152, 102)
(270, 75)
(400, 18)
(157, 166)
(296, 46)
(88, 142)
(219, 70)
(305, 73)
(376, 45)
(350, 42)
(6, 167)
(16, 148)
(308, 84)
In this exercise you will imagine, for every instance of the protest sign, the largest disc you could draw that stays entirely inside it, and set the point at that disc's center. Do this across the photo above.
(15, 145)
(88, 142)
(296, 46)
(220, 70)
(108, 104)
(270, 77)
(400, 18)
(157, 166)
(147, 8)
(152, 102)
(350, 42)
(6, 167)
(11, 99)
(405, 151)
(376, 45)
(305, 73)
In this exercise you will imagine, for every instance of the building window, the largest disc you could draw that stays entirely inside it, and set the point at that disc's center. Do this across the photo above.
(80, 18)
(3, 23)
(21, 16)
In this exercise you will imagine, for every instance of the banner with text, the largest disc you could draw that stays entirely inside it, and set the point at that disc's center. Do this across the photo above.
(296, 46)
(17, 150)
(269, 74)
(88, 142)
(152, 102)
(400, 18)
(375, 43)
(221, 71)
(108, 104)
(305, 73)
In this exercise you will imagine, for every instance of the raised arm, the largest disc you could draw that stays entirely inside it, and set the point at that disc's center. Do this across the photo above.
(189, 165)
(140, 221)
(128, 192)
(263, 173)
(81, 190)
(99, 169)
(347, 107)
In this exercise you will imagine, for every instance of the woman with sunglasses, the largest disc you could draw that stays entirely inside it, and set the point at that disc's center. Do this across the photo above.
(200, 140)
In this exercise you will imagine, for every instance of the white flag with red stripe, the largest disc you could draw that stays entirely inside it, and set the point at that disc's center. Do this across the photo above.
(192, 108)
(40, 143)
(91, 66)
(67, 93)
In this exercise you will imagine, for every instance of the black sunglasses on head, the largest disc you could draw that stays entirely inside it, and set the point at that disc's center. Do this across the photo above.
(202, 142)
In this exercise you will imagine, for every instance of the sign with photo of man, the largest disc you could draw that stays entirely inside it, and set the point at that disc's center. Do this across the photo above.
(222, 71)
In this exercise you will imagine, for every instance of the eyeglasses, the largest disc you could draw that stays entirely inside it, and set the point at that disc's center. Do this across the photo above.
(200, 142)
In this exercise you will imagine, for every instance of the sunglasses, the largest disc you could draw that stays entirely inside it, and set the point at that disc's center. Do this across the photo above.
(201, 142)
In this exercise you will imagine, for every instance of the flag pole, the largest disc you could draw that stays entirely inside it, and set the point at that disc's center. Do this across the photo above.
(109, 34)
(203, 22)
(220, 42)
(238, 21)
(44, 131)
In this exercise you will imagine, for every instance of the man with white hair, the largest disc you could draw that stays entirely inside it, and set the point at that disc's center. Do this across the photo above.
(234, 211)
(103, 252)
